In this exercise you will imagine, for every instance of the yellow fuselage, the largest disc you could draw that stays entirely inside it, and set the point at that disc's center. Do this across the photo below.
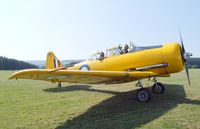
(169, 53)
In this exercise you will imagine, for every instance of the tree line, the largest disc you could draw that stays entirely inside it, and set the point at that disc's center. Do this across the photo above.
(194, 62)
(72, 63)
(12, 64)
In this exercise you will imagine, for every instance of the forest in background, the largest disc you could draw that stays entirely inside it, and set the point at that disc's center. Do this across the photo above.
(13, 64)
(194, 63)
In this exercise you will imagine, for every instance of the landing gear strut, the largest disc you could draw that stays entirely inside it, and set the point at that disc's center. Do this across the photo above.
(143, 94)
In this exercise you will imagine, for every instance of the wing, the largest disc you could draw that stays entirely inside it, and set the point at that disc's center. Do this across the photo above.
(78, 76)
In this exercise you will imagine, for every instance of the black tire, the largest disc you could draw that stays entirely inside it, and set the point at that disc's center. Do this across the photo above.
(158, 88)
(143, 95)
(59, 85)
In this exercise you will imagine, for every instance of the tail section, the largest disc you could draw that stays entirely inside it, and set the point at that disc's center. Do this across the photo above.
(52, 61)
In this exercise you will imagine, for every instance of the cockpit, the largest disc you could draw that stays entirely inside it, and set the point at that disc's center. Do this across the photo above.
(118, 50)
(113, 52)
(96, 56)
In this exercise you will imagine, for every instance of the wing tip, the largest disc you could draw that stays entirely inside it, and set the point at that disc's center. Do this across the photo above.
(12, 77)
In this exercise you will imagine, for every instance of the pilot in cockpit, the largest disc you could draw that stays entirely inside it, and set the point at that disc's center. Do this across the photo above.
(102, 54)
(126, 48)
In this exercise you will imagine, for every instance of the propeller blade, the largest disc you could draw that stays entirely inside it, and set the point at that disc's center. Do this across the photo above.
(184, 57)
(182, 45)
(187, 72)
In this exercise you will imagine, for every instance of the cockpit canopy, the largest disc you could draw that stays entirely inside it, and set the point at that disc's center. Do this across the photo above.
(113, 52)
(95, 55)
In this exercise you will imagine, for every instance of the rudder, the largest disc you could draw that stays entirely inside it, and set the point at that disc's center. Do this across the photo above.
(52, 61)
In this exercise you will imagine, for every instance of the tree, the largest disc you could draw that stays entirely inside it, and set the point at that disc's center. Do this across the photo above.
(12, 64)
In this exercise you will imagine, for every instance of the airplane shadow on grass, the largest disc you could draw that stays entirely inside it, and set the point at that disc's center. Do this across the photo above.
(122, 110)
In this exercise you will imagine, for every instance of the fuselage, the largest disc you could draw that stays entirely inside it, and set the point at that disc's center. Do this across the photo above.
(169, 53)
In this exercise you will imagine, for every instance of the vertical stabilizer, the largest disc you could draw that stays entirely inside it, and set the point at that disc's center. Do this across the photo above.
(52, 61)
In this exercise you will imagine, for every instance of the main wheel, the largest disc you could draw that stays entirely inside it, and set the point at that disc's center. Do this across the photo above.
(143, 95)
(158, 88)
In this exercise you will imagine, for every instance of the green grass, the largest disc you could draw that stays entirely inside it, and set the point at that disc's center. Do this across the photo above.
(26, 104)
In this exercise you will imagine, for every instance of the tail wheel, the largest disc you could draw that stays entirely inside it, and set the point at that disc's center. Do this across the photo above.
(158, 88)
(143, 95)
(59, 84)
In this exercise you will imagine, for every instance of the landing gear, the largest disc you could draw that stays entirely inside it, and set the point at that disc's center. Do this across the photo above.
(143, 94)
(59, 84)
(158, 88)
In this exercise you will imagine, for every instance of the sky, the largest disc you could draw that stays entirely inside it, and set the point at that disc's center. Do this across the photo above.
(73, 29)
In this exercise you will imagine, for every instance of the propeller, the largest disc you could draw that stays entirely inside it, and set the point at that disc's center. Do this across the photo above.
(185, 57)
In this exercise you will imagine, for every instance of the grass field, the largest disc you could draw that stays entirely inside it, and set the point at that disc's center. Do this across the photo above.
(26, 104)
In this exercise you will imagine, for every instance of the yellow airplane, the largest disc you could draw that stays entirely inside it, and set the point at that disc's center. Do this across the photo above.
(117, 66)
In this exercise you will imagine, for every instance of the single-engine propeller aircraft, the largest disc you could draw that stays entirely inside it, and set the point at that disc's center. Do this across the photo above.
(118, 65)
